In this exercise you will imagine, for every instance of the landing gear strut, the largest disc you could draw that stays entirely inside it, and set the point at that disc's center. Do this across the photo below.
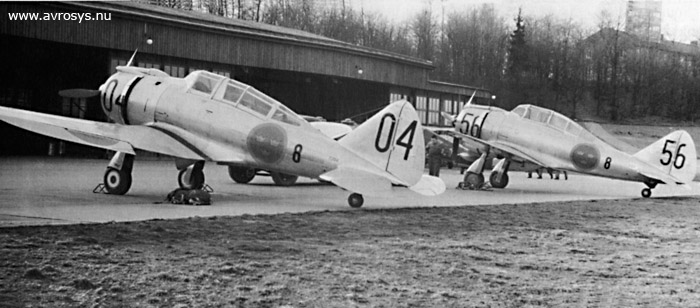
(192, 177)
(117, 178)
(499, 174)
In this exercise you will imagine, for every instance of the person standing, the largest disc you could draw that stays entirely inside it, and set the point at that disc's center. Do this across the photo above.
(434, 152)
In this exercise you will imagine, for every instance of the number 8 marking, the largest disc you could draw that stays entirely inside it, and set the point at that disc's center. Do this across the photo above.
(296, 156)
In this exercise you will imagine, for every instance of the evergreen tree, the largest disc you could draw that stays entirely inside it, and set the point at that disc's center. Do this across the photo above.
(517, 52)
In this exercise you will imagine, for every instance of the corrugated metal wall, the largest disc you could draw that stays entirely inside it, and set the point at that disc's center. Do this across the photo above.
(207, 43)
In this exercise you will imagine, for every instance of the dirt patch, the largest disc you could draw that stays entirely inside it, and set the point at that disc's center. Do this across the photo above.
(605, 253)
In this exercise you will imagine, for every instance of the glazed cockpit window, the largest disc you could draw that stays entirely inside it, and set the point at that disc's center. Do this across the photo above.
(204, 82)
(255, 103)
(233, 92)
(283, 115)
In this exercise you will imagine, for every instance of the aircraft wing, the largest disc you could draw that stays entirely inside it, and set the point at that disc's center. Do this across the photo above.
(159, 138)
(523, 153)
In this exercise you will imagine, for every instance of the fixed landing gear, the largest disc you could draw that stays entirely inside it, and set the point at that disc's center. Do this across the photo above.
(283, 179)
(355, 200)
(646, 192)
(474, 179)
(241, 175)
(192, 177)
(117, 178)
(498, 180)
(499, 175)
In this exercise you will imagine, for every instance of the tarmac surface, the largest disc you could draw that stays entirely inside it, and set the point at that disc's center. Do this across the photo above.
(46, 190)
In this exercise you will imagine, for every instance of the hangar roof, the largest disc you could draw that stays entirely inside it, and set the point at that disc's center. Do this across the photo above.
(246, 27)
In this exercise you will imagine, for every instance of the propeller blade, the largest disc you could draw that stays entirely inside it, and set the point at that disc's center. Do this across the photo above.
(450, 118)
(78, 93)
(455, 148)
(131, 61)
(470, 99)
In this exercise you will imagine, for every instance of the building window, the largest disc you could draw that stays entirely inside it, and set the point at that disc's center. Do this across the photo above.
(174, 71)
(222, 73)
(116, 62)
(74, 107)
(15, 97)
(422, 108)
(149, 65)
(434, 111)
(447, 106)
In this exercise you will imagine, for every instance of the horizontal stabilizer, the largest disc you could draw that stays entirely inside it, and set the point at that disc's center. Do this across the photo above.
(429, 186)
(359, 181)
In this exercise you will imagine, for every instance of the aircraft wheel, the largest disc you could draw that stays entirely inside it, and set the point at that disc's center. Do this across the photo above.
(117, 182)
(474, 179)
(646, 192)
(355, 200)
(196, 180)
(283, 179)
(241, 175)
(496, 183)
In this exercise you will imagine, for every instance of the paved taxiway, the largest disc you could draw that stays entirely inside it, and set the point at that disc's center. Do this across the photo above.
(59, 191)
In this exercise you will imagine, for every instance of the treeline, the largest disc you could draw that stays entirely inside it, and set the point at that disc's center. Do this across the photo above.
(600, 72)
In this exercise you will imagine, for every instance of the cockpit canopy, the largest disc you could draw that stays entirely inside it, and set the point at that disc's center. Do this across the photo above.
(552, 119)
(241, 95)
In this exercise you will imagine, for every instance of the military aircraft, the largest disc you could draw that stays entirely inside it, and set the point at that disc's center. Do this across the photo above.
(208, 117)
(537, 137)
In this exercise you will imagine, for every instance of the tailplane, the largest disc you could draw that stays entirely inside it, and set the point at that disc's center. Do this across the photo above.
(673, 154)
(393, 141)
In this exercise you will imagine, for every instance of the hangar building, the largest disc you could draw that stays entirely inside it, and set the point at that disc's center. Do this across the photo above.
(51, 49)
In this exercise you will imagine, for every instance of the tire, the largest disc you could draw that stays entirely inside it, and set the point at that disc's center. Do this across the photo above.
(476, 180)
(196, 180)
(117, 182)
(241, 175)
(355, 200)
(283, 179)
(646, 192)
(495, 183)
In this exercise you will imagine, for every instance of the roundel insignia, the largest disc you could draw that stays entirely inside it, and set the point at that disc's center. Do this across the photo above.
(585, 156)
(266, 142)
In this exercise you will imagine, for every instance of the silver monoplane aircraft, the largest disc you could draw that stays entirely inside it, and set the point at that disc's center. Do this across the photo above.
(208, 117)
(533, 135)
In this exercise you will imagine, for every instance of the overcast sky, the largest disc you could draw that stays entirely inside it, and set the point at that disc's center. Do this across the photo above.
(680, 20)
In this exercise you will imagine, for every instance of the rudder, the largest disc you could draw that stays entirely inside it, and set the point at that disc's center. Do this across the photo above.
(674, 154)
(393, 140)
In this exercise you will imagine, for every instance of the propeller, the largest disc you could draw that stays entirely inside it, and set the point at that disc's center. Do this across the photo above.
(78, 93)
(455, 148)
(131, 61)
(88, 93)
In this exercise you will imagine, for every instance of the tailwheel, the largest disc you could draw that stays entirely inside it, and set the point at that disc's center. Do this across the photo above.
(355, 200)
(646, 192)
(192, 177)
(283, 179)
(475, 180)
(498, 180)
(241, 175)
(117, 182)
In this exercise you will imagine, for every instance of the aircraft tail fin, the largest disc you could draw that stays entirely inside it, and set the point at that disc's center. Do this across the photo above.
(674, 154)
(393, 141)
